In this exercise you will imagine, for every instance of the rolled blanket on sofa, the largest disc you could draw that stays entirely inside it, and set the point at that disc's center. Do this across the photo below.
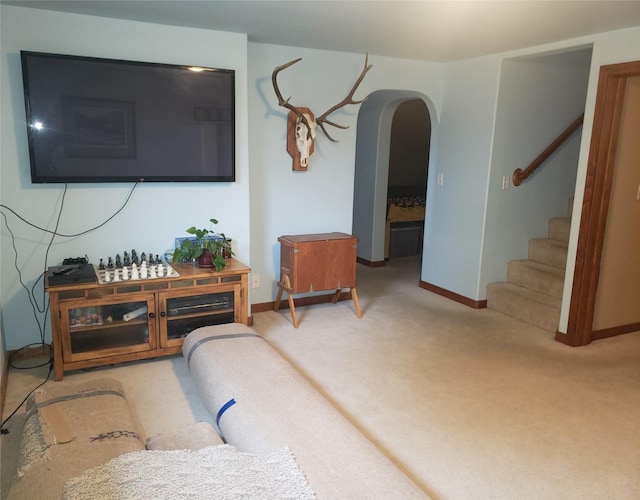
(70, 428)
(261, 403)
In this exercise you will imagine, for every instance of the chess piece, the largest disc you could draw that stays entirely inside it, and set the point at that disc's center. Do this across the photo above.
(126, 260)
(125, 273)
(134, 271)
(101, 266)
(110, 263)
(118, 261)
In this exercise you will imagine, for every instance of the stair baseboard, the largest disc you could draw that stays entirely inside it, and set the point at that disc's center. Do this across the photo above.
(532, 307)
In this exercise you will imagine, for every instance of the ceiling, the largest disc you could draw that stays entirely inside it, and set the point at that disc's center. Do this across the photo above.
(438, 31)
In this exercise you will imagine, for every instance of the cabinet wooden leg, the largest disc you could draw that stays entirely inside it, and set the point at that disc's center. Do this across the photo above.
(354, 297)
(284, 285)
(276, 306)
(356, 304)
(58, 369)
(292, 306)
(58, 363)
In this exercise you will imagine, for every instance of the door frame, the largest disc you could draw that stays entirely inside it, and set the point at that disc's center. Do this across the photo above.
(595, 206)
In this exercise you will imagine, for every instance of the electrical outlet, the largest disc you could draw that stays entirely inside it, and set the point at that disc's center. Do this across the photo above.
(505, 182)
(440, 179)
(255, 281)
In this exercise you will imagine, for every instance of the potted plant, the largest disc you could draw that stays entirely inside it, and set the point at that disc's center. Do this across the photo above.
(208, 248)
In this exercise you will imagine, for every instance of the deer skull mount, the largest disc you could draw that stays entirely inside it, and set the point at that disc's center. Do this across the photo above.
(304, 135)
(301, 124)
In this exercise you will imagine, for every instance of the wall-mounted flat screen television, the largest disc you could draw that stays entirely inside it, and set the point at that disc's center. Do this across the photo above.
(104, 120)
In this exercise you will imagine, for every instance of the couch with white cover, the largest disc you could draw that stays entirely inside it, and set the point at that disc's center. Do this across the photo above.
(275, 437)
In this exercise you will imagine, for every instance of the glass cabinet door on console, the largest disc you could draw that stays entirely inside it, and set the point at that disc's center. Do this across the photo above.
(107, 327)
(182, 313)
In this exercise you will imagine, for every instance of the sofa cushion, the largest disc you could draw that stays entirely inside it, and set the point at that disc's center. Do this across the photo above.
(70, 428)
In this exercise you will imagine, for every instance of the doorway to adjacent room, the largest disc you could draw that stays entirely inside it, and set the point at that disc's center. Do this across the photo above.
(393, 147)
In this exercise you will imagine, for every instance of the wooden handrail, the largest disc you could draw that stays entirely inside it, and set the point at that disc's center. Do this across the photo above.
(520, 175)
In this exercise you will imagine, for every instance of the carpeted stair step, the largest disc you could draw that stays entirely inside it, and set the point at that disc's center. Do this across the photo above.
(559, 228)
(548, 251)
(532, 307)
(537, 277)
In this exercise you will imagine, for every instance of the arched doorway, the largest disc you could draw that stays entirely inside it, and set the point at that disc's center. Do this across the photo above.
(372, 166)
(407, 183)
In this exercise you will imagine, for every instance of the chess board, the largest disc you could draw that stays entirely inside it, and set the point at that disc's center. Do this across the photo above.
(129, 273)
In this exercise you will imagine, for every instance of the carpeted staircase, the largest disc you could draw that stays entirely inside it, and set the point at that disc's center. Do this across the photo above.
(533, 290)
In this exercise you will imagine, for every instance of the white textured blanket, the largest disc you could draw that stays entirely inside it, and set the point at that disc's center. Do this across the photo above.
(220, 472)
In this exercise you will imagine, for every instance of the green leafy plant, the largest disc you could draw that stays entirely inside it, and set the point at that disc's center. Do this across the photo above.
(206, 240)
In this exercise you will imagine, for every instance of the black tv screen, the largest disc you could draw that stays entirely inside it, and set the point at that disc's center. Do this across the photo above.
(105, 120)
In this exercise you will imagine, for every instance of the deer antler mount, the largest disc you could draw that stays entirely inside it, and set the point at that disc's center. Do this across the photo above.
(301, 123)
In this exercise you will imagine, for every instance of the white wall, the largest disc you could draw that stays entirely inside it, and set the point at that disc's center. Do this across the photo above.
(538, 98)
(156, 213)
(454, 237)
(277, 200)
(320, 199)
(453, 232)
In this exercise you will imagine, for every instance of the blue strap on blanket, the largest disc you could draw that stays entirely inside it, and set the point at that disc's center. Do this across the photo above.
(224, 408)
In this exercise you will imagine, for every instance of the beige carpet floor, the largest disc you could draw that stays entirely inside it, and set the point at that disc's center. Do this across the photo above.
(470, 403)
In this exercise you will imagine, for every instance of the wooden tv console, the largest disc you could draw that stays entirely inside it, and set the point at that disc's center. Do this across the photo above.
(97, 324)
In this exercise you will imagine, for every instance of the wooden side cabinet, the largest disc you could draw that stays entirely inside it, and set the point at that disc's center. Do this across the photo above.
(315, 262)
(97, 324)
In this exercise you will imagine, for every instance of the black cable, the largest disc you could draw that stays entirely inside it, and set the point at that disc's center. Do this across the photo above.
(46, 256)
(31, 293)
(78, 234)
(3, 430)
(15, 353)
(15, 264)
